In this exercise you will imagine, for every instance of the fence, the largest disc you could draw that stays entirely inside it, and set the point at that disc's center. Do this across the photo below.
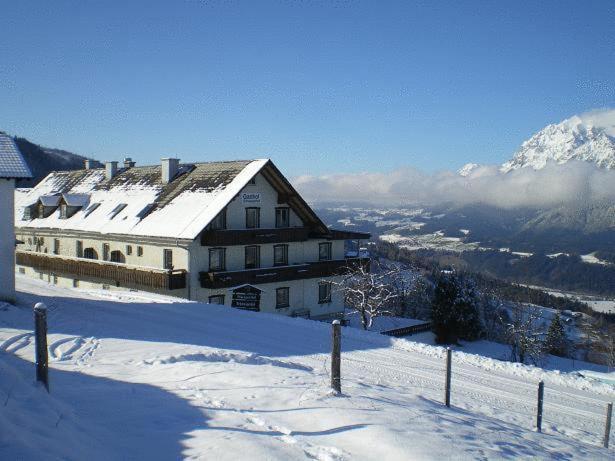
(408, 331)
(543, 407)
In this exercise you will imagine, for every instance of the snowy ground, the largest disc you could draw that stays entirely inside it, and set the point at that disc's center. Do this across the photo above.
(138, 376)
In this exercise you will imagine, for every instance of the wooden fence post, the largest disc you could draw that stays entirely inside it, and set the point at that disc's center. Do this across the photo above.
(40, 336)
(541, 393)
(336, 357)
(607, 427)
(447, 386)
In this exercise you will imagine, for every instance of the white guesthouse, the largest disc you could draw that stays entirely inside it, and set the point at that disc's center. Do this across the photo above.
(12, 167)
(234, 233)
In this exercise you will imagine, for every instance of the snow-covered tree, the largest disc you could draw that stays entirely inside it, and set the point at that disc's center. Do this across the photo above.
(556, 342)
(371, 292)
(455, 310)
(417, 299)
(523, 333)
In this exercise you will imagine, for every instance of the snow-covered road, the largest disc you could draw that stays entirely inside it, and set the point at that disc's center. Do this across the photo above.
(136, 380)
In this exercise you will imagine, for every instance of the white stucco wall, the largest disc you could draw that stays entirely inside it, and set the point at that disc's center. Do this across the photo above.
(7, 240)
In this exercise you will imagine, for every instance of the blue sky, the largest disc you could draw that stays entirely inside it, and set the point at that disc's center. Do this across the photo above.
(320, 87)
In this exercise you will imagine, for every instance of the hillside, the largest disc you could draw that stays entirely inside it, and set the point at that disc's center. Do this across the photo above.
(138, 376)
(43, 160)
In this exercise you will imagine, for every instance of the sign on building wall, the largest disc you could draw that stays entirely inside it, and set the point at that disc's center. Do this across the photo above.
(246, 297)
(252, 197)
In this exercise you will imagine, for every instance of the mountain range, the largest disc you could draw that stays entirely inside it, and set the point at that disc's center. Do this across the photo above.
(575, 138)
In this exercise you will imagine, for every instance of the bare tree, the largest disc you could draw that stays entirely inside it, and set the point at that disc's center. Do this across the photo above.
(371, 291)
(523, 333)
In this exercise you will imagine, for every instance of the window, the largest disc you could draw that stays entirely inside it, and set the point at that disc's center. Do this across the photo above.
(282, 217)
(79, 248)
(139, 251)
(253, 257)
(252, 181)
(56, 246)
(105, 252)
(167, 256)
(117, 257)
(90, 209)
(63, 211)
(41, 210)
(216, 299)
(324, 251)
(280, 255)
(253, 218)
(282, 297)
(219, 222)
(90, 253)
(324, 292)
(128, 250)
(117, 210)
(217, 259)
(147, 209)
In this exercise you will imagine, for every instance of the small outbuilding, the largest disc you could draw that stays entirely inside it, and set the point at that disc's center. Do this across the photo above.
(12, 167)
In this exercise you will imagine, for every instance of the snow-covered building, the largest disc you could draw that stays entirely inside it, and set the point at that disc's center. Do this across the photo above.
(234, 233)
(12, 167)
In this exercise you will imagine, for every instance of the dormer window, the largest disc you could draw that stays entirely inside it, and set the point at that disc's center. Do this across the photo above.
(63, 211)
(41, 210)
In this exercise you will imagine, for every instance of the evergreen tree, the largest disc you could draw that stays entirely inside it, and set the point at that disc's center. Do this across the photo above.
(455, 310)
(556, 342)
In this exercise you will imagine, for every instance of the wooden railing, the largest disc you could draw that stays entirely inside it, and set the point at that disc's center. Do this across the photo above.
(408, 331)
(105, 272)
(280, 274)
(253, 236)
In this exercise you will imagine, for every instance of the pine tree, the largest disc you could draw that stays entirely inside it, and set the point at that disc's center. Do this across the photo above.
(455, 312)
(556, 342)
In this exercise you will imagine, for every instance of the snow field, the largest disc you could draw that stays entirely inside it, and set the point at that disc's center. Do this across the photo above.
(139, 376)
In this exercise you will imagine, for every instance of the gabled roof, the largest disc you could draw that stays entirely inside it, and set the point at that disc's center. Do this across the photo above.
(180, 209)
(12, 164)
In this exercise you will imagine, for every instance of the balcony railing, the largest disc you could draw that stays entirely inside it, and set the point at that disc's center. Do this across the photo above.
(105, 272)
(318, 269)
(253, 236)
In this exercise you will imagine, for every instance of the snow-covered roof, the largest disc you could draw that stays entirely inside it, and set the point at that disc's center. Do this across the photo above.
(12, 164)
(50, 200)
(180, 209)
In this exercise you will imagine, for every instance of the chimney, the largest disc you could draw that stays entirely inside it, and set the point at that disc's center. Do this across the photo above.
(170, 166)
(110, 169)
(128, 163)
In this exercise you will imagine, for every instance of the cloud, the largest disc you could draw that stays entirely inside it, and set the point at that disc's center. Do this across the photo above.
(600, 118)
(551, 186)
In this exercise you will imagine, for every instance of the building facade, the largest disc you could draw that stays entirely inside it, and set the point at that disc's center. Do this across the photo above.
(12, 167)
(231, 233)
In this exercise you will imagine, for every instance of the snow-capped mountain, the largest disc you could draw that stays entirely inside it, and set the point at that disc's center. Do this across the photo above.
(572, 139)
(467, 169)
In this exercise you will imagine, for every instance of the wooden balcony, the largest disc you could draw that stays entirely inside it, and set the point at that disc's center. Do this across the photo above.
(104, 272)
(318, 269)
(231, 237)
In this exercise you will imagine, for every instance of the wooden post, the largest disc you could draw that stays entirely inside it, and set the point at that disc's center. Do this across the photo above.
(607, 427)
(447, 385)
(541, 393)
(336, 357)
(40, 336)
